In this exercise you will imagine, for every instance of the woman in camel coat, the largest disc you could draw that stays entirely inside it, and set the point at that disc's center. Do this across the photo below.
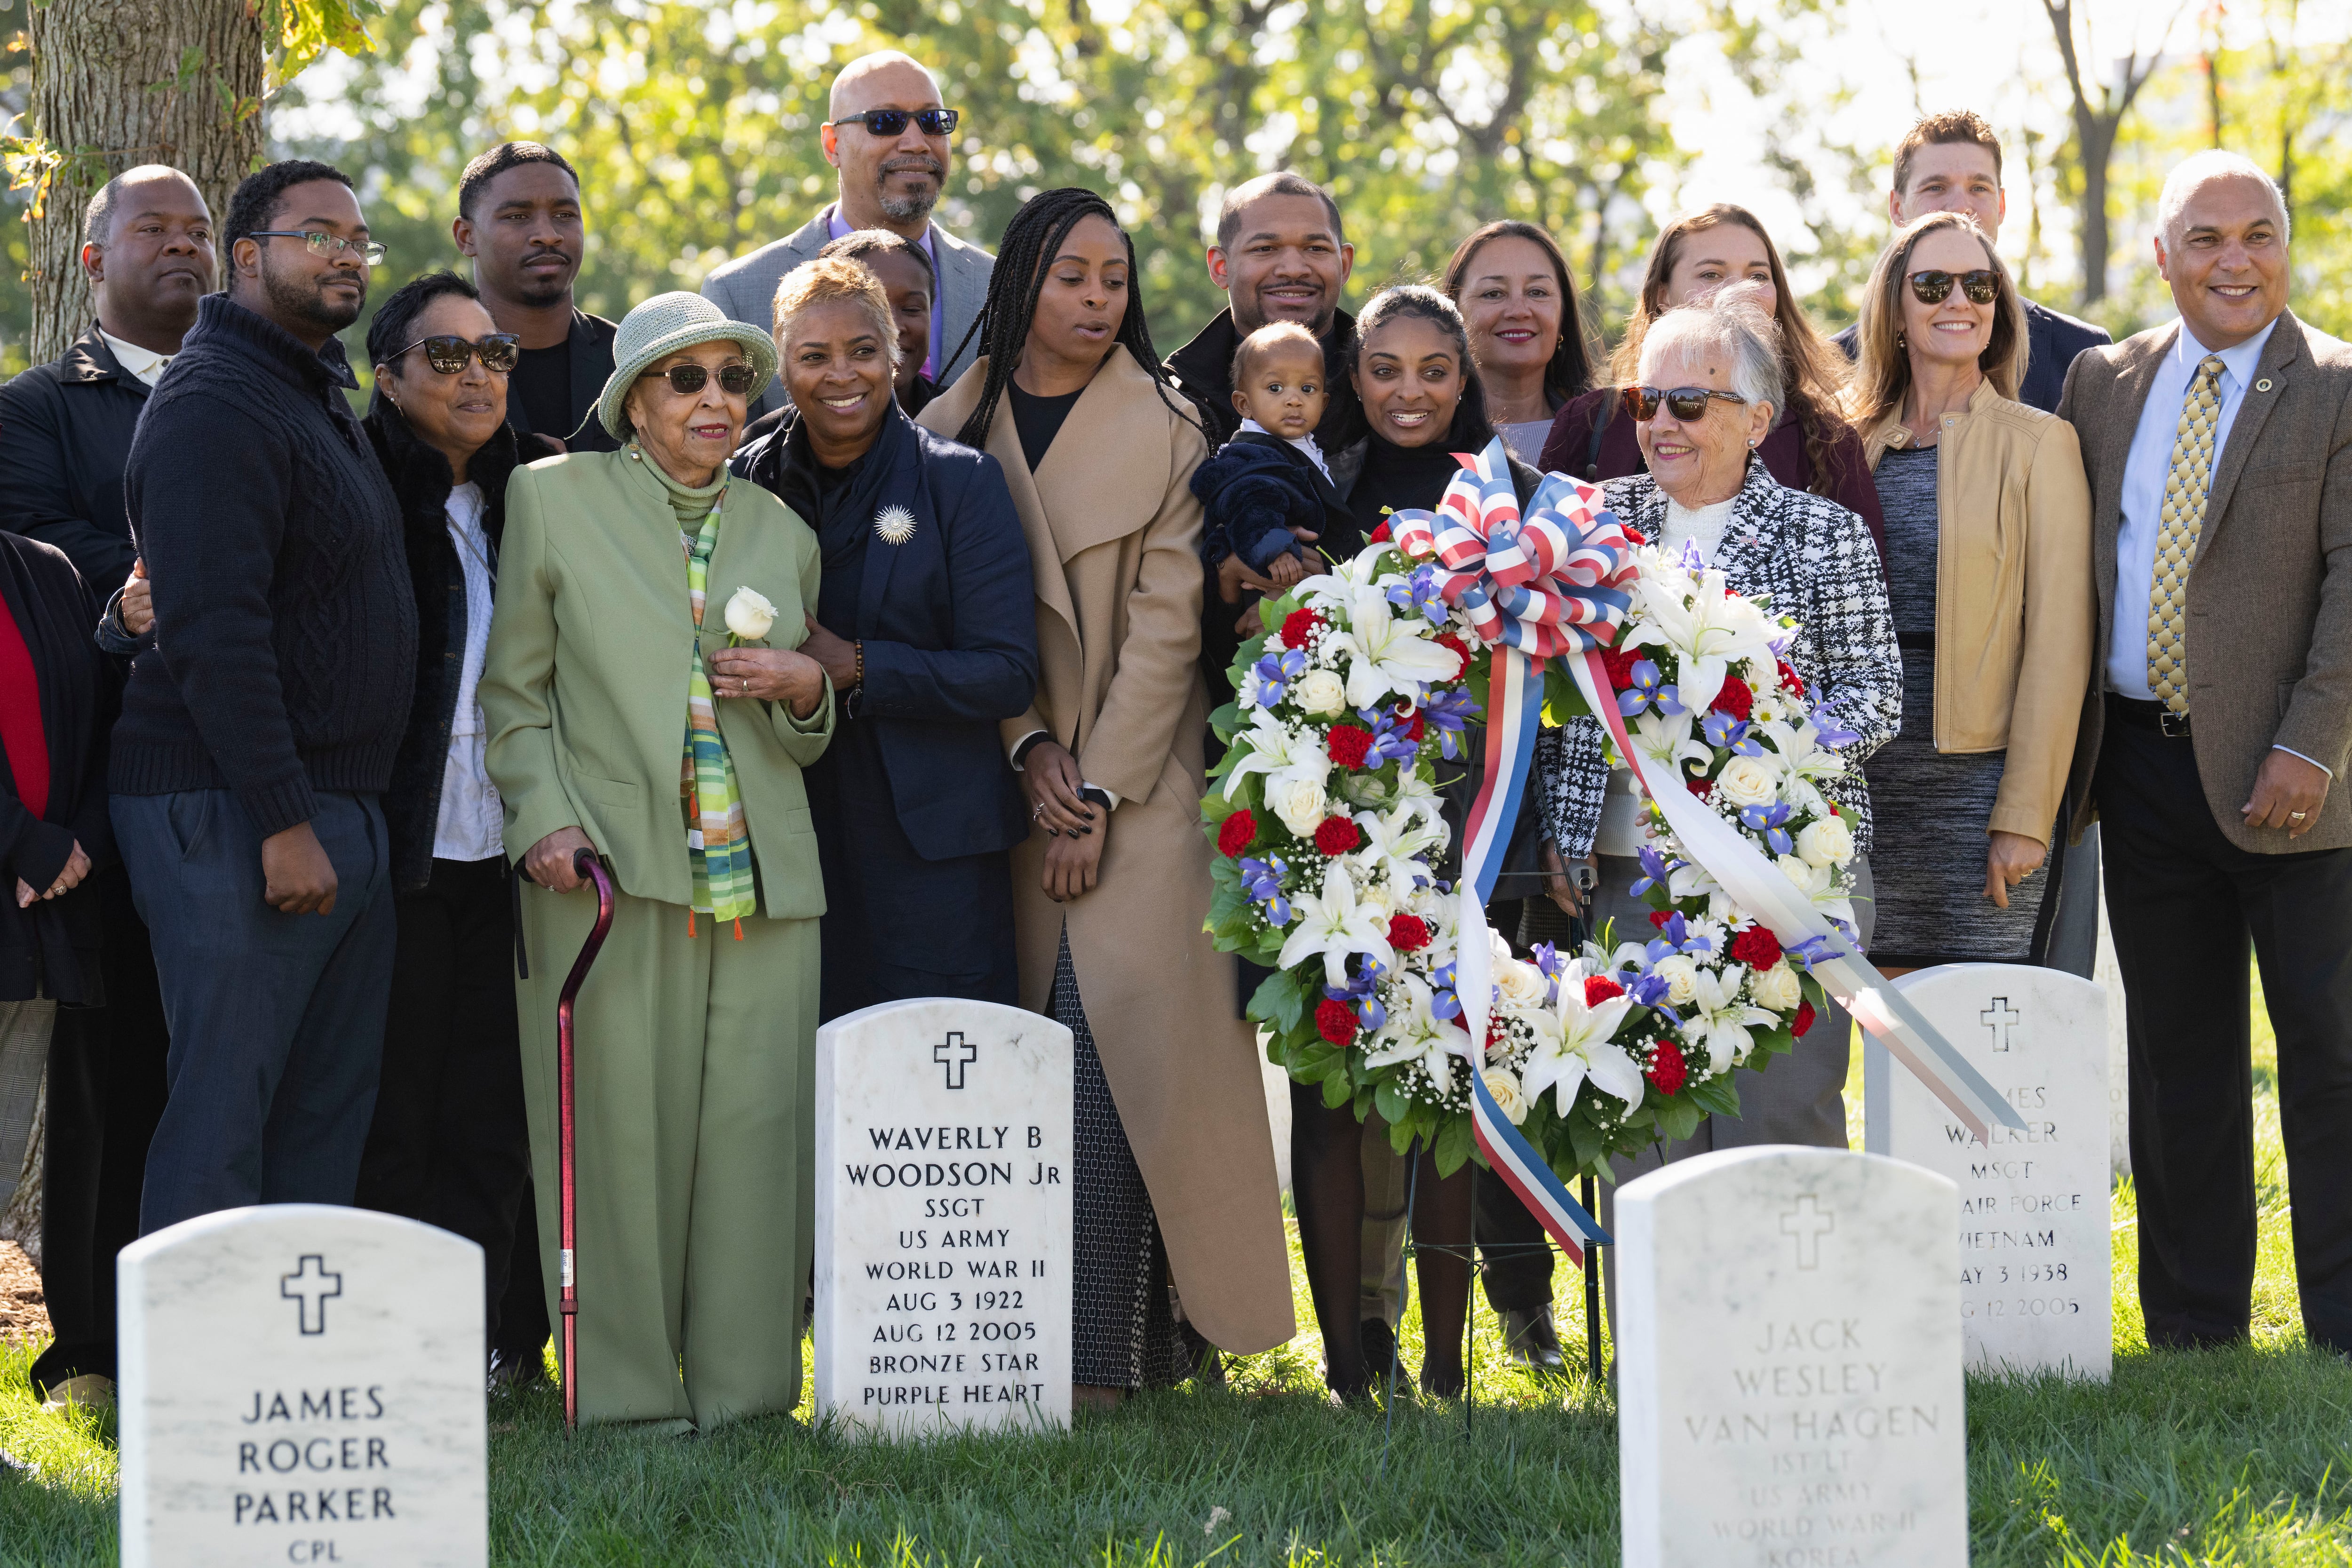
(1175, 1173)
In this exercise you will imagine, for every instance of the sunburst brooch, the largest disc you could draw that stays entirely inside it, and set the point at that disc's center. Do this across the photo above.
(894, 525)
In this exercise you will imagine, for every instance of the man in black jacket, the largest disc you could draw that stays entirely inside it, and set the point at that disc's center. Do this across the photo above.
(1950, 162)
(65, 435)
(518, 216)
(257, 735)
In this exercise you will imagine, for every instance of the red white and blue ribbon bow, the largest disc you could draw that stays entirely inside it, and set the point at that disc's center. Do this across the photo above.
(1548, 585)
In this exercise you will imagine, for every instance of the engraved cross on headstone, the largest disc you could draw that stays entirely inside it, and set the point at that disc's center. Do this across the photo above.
(1808, 1223)
(310, 1284)
(955, 1053)
(2000, 1017)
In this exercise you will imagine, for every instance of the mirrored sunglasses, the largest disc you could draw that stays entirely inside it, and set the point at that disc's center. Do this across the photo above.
(1934, 287)
(686, 380)
(1684, 403)
(892, 121)
(448, 352)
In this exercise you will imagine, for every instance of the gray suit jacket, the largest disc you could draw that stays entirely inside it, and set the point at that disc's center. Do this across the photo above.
(2270, 595)
(745, 288)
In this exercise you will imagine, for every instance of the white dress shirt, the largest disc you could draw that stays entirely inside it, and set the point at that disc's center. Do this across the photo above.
(1306, 444)
(471, 824)
(144, 365)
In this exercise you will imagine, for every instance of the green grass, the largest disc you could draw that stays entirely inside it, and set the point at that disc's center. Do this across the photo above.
(2232, 1457)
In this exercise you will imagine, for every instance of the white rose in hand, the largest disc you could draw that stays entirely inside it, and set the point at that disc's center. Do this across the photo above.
(1829, 842)
(1298, 799)
(749, 615)
(1320, 692)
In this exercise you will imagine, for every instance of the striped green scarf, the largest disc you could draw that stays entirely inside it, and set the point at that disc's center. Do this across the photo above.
(718, 845)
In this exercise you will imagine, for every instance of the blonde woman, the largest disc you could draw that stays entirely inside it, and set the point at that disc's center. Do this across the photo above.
(1988, 572)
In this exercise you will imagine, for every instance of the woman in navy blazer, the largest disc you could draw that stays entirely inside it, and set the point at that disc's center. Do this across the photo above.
(924, 624)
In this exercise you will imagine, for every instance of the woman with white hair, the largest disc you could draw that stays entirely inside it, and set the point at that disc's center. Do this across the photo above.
(1709, 389)
(1989, 568)
(924, 624)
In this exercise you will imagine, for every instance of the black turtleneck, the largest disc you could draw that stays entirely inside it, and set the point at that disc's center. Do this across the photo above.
(1399, 479)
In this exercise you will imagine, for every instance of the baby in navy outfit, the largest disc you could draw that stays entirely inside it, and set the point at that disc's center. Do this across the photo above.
(1271, 476)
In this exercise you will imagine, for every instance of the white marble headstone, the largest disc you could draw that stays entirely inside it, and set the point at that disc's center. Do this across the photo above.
(1788, 1363)
(302, 1383)
(2036, 1279)
(943, 1167)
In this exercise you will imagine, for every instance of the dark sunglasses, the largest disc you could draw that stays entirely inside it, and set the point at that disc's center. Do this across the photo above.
(1686, 403)
(496, 350)
(1933, 288)
(891, 121)
(686, 380)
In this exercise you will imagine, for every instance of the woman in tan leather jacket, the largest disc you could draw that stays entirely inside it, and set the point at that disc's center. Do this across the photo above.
(1988, 572)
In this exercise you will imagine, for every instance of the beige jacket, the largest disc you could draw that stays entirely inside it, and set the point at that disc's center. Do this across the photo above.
(1114, 533)
(2014, 614)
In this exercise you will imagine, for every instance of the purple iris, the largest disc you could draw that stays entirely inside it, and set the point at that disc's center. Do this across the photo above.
(1418, 592)
(1815, 949)
(1390, 742)
(1767, 820)
(1363, 992)
(1646, 990)
(1262, 880)
(1443, 1002)
(1648, 687)
(1722, 730)
(1829, 732)
(1275, 672)
(1654, 870)
(1445, 712)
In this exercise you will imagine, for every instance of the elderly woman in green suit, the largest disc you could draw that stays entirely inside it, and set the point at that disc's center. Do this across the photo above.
(624, 718)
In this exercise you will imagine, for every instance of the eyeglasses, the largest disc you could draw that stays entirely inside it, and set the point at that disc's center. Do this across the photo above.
(320, 243)
(1684, 403)
(1933, 288)
(891, 121)
(686, 380)
(496, 350)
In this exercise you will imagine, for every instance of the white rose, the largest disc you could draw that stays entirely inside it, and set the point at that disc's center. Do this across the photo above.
(1522, 985)
(1320, 692)
(749, 615)
(1747, 781)
(1504, 1085)
(1297, 798)
(1829, 842)
(1681, 976)
(1776, 988)
(1810, 879)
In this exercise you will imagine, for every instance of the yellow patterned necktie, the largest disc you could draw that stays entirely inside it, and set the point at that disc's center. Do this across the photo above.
(2176, 542)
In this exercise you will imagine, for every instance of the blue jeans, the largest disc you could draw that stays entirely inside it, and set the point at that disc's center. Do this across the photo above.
(276, 1020)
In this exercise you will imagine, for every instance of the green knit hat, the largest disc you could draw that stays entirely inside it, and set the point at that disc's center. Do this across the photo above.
(660, 327)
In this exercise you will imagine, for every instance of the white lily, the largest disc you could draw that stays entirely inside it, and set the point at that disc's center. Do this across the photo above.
(1413, 1032)
(1712, 630)
(1391, 842)
(1274, 747)
(1664, 743)
(1338, 586)
(1333, 923)
(1799, 751)
(1573, 1045)
(1418, 795)
(1387, 653)
(1719, 1021)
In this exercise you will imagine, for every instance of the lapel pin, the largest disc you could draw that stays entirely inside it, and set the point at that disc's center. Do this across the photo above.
(894, 525)
(2264, 385)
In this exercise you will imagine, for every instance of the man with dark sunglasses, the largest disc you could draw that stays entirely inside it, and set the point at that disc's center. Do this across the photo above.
(258, 734)
(893, 140)
(519, 217)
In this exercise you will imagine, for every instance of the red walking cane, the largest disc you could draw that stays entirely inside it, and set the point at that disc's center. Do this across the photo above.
(589, 868)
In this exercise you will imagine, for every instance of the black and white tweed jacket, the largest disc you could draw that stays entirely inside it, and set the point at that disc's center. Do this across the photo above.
(1816, 562)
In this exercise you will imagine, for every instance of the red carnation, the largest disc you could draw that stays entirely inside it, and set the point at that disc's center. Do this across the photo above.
(1702, 788)
(1408, 934)
(1598, 988)
(1735, 699)
(1337, 835)
(1335, 1021)
(1658, 918)
(1791, 679)
(1667, 1067)
(1620, 663)
(1449, 640)
(1379, 535)
(1348, 744)
(1804, 1019)
(1237, 833)
(1299, 625)
(1410, 725)
(1633, 536)
(1756, 947)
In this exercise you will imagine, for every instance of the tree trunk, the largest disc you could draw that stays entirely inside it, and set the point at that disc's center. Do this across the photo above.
(2095, 135)
(117, 83)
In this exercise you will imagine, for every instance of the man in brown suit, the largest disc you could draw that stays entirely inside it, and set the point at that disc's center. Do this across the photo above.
(2219, 456)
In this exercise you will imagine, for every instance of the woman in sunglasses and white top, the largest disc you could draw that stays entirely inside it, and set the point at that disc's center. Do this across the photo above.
(646, 700)
(1989, 567)
(1708, 391)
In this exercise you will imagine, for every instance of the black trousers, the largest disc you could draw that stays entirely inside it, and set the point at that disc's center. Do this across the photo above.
(2184, 903)
(106, 1093)
(449, 1144)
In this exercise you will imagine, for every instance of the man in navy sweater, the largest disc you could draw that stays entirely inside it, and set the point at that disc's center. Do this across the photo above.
(260, 731)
